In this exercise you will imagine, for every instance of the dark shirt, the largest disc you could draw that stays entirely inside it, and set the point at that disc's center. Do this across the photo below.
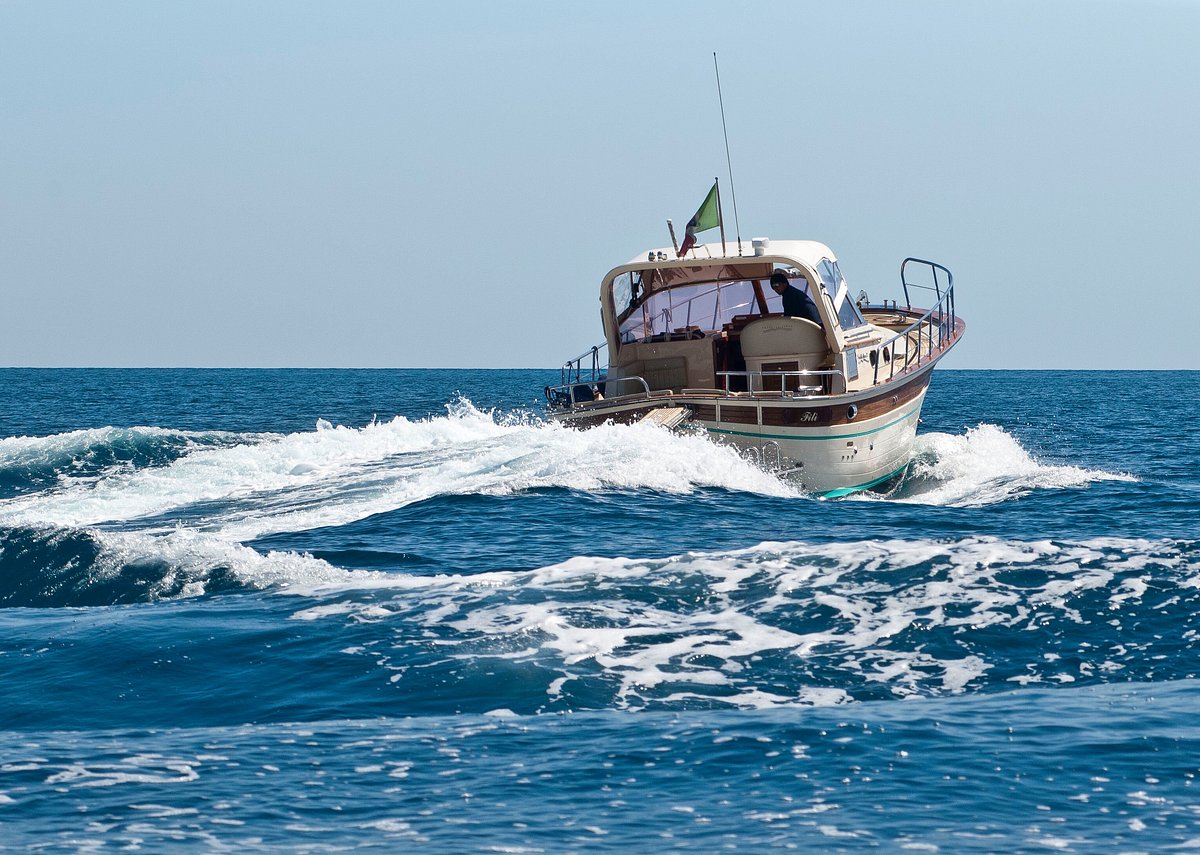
(797, 304)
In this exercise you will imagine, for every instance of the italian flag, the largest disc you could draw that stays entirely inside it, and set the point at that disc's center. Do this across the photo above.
(708, 217)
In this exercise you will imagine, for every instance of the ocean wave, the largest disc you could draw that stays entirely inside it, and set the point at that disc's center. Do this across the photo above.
(74, 568)
(336, 475)
(774, 624)
(241, 486)
(35, 462)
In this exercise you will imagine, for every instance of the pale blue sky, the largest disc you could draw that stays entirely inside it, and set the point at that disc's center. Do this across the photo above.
(424, 185)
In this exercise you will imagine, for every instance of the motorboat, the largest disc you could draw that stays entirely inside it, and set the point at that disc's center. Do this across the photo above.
(830, 400)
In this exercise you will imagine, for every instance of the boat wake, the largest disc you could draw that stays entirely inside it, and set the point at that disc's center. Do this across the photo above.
(241, 486)
(792, 623)
(336, 475)
(73, 568)
(144, 514)
(31, 463)
(118, 515)
(776, 624)
(983, 466)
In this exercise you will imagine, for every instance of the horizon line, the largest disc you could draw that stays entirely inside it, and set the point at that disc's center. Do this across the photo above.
(463, 368)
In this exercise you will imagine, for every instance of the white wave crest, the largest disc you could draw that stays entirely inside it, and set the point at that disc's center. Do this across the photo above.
(983, 466)
(333, 476)
(190, 560)
(60, 448)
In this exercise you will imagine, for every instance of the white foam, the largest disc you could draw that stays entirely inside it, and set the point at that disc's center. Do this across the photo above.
(140, 769)
(1131, 589)
(675, 629)
(271, 483)
(983, 466)
(333, 476)
(958, 673)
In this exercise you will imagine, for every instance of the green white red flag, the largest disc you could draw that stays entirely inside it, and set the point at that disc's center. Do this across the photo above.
(708, 217)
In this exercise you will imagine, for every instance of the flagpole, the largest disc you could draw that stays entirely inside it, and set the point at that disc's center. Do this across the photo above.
(721, 218)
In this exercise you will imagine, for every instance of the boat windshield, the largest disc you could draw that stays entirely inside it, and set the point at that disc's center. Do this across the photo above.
(835, 286)
(686, 309)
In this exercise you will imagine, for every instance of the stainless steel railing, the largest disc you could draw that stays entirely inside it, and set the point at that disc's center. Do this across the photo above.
(572, 369)
(933, 331)
(935, 269)
(585, 391)
(751, 376)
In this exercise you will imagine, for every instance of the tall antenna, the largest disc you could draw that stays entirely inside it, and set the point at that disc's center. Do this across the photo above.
(728, 160)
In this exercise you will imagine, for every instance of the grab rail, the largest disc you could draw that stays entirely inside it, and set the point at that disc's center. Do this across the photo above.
(576, 365)
(924, 327)
(934, 267)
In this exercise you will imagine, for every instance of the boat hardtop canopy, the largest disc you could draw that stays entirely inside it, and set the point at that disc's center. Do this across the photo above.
(719, 286)
(808, 253)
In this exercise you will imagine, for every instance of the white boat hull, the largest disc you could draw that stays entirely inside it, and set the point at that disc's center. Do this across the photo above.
(833, 445)
(833, 461)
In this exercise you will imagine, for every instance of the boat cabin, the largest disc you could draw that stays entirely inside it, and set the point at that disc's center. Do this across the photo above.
(715, 323)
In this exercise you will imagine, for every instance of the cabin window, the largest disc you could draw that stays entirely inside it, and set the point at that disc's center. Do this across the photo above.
(622, 291)
(796, 280)
(849, 316)
(835, 286)
(686, 310)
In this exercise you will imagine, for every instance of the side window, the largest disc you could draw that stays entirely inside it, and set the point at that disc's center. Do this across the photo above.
(835, 285)
(848, 315)
(622, 292)
(830, 276)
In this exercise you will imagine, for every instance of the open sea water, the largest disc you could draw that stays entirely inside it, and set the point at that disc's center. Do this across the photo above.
(323, 610)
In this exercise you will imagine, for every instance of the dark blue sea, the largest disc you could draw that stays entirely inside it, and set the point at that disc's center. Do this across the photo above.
(311, 611)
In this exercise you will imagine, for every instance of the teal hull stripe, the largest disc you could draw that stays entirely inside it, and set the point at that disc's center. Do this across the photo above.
(827, 437)
(846, 491)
